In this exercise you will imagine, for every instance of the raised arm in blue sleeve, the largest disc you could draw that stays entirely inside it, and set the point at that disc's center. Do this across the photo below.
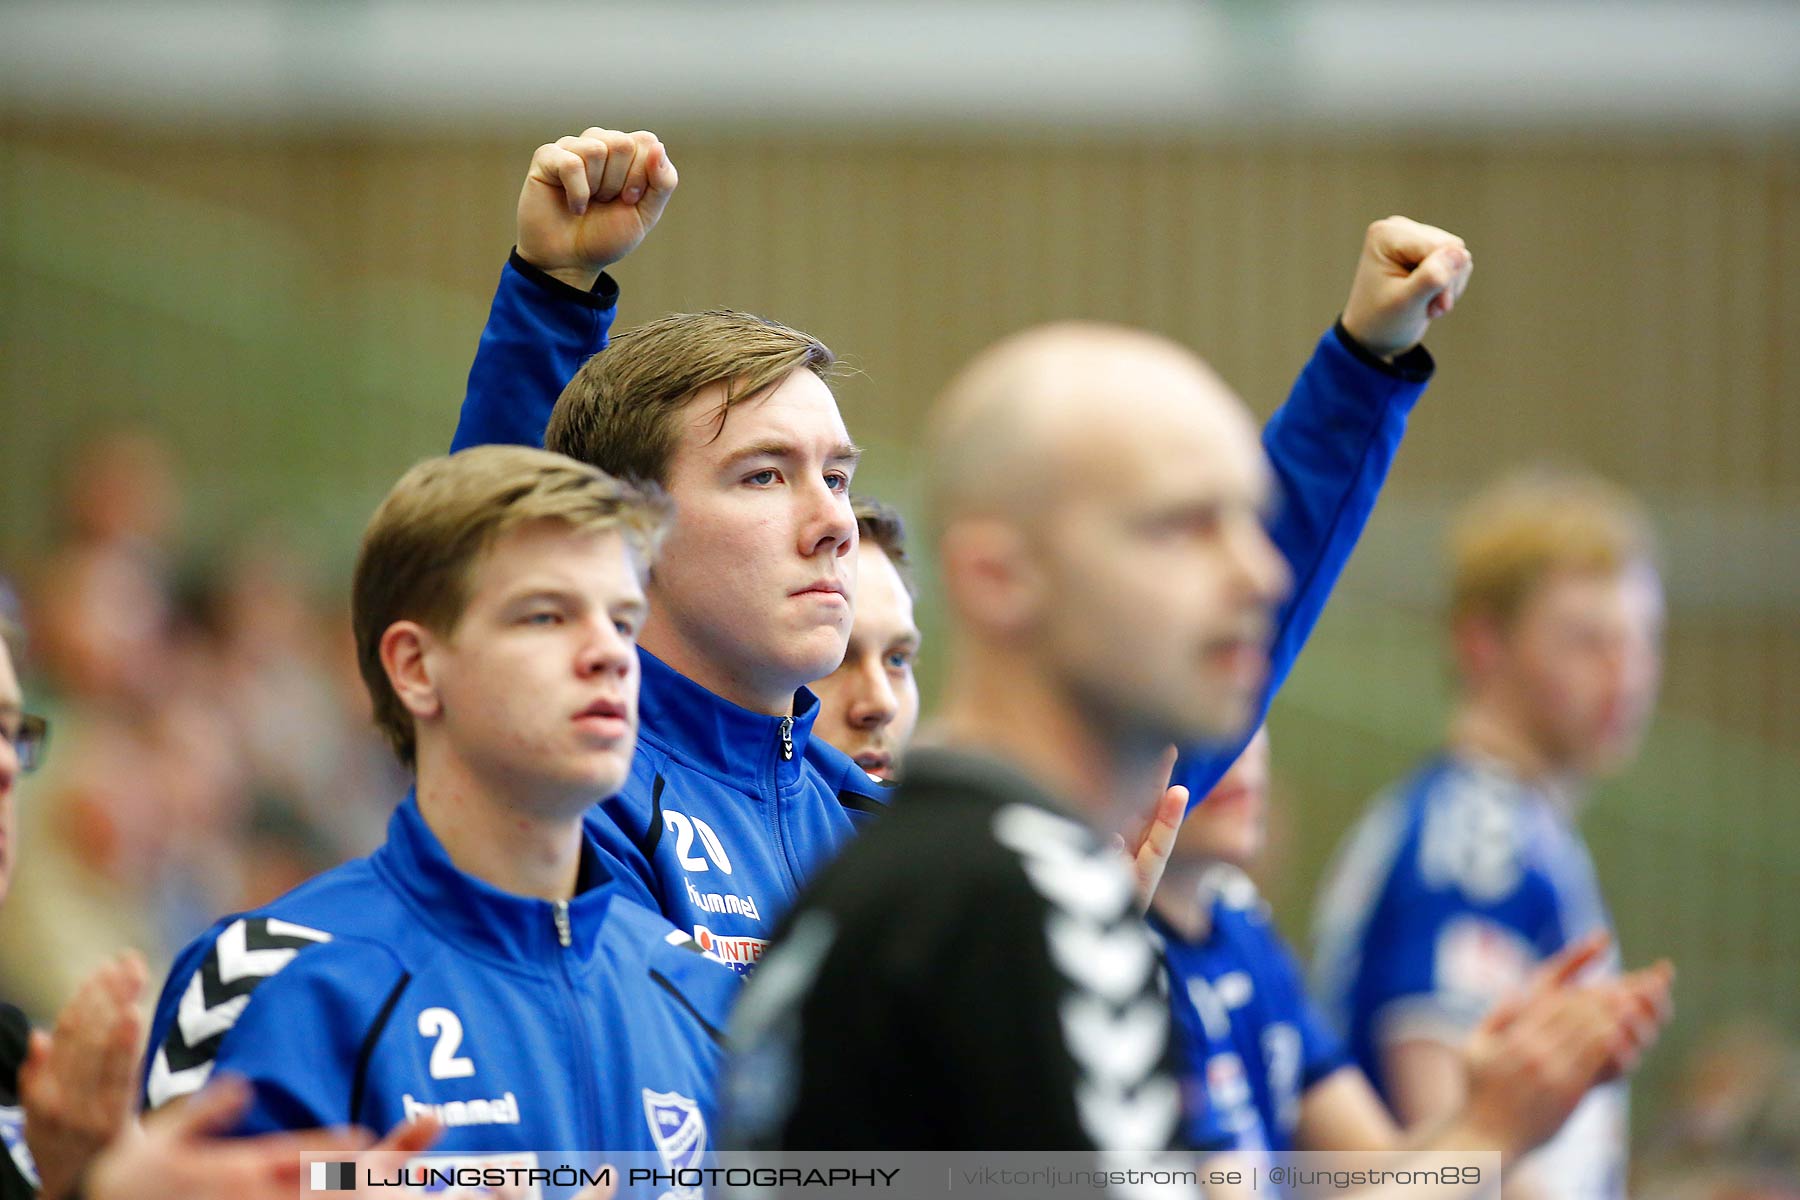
(538, 333)
(1330, 446)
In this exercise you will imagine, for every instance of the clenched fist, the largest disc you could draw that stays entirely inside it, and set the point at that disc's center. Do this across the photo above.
(588, 201)
(1408, 276)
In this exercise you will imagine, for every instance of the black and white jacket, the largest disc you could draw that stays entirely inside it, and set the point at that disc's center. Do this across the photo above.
(972, 973)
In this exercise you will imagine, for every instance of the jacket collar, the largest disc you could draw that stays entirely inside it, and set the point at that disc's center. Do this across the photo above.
(712, 735)
(1502, 781)
(478, 917)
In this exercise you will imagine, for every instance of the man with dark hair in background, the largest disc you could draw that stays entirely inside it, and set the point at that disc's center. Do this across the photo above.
(869, 706)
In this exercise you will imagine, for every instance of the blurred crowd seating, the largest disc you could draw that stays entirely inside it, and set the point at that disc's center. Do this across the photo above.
(210, 738)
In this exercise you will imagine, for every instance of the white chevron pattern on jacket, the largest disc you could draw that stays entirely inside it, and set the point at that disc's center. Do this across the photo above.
(247, 952)
(1114, 1019)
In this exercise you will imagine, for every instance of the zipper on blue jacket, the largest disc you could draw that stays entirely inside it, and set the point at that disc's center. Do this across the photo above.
(572, 965)
(787, 739)
(560, 910)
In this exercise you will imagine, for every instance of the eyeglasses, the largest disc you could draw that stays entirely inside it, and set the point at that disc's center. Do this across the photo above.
(29, 742)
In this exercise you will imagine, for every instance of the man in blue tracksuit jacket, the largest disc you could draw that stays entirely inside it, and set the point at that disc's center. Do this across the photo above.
(483, 966)
(1259, 1057)
(1460, 879)
(732, 803)
(1252, 1046)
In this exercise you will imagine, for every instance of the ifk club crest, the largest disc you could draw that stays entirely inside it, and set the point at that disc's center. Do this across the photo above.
(680, 1134)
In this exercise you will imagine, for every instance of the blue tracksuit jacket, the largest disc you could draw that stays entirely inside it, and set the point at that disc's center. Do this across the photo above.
(1446, 896)
(1251, 1040)
(396, 984)
(727, 812)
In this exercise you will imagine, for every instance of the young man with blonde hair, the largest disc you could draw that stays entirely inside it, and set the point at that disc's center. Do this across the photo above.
(1470, 873)
(482, 967)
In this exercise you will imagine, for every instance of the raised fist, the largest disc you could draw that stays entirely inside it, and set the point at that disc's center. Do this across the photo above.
(588, 201)
(1408, 276)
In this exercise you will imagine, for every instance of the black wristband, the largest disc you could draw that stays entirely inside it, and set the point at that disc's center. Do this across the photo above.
(1414, 366)
(605, 293)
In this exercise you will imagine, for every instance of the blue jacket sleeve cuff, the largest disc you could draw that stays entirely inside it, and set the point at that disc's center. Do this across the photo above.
(1415, 366)
(604, 294)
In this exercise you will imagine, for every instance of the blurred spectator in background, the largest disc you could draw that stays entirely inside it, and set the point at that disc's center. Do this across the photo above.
(1735, 1131)
(304, 735)
(1459, 883)
(99, 819)
(121, 491)
(214, 739)
(1261, 1068)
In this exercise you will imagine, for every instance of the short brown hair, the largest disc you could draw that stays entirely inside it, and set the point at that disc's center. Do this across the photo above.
(618, 412)
(882, 524)
(1534, 522)
(424, 540)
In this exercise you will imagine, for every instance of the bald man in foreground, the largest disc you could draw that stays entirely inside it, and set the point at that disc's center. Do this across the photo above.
(973, 973)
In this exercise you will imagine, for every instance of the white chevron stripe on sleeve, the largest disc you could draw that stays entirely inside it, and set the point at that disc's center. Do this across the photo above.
(1120, 1049)
(1064, 864)
(279, 928)
(1034, 832)
(237, 960)
(1115, 963)
(1143, 1121)
(166, 1085)
(1089, 887)
(197, 1022)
